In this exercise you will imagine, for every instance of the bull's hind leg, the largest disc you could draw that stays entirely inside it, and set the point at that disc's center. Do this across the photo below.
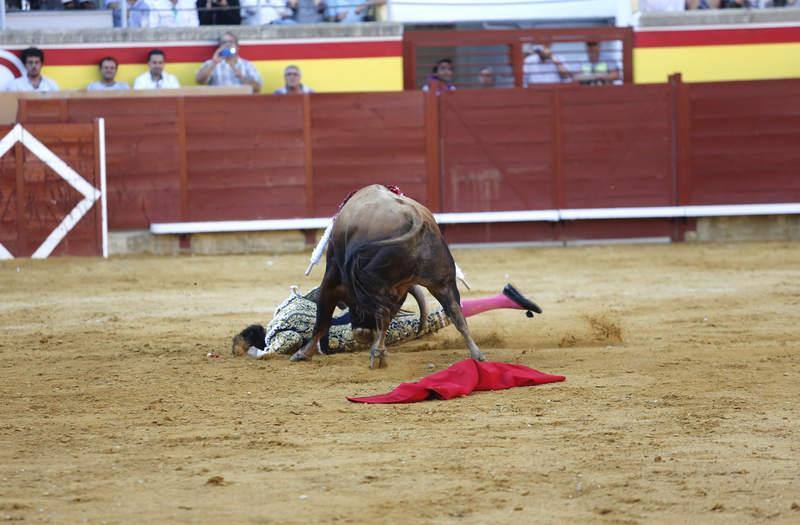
(378, 350)
(328, 297)
(449, 298)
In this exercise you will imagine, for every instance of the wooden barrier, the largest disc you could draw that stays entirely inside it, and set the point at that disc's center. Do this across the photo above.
(9, 100)
(177, 159)
(359, 139)
(34, 199)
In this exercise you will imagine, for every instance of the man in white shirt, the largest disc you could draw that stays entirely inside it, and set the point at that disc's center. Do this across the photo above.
(156, 77)
(261, 12)
(141, 14)
(108, 72)
(176, 13)
(541, 66)
(32, 80)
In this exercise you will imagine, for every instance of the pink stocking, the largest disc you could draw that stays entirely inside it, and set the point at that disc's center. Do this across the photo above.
(472, 307)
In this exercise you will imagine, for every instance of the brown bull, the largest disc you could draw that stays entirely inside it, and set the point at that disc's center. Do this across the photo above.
(383, 244)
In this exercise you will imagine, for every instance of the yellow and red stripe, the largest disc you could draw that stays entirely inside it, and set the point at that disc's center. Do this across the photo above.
(714, 53)
(709, 53)
(360, 64)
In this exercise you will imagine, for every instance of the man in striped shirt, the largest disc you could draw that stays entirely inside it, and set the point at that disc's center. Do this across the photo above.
(227, 68)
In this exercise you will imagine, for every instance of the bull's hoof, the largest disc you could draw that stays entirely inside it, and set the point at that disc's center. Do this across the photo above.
(379, 360)
(299, 356)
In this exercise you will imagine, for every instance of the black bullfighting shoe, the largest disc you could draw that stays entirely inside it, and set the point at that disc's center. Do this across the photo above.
(524, 303)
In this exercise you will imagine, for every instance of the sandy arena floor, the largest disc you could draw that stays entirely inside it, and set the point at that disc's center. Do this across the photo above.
(680, 405)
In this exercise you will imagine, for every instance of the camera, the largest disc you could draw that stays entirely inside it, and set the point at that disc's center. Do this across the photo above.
(227, 52)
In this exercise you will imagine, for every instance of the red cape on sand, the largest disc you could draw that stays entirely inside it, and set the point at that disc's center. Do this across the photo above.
(461, 379)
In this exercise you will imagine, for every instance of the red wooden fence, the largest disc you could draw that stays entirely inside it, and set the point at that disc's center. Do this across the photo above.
(233, 157)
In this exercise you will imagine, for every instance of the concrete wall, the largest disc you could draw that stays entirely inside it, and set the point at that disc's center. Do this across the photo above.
(731, 229)
(142, 241)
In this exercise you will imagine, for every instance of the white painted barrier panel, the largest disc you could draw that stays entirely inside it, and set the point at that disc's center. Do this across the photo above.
(645, 212)
(63, 170)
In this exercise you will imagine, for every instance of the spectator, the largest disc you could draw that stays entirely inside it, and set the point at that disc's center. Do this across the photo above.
(375, 11)
(260, 12)
(108, 72)
(702, 4)
(116, 12)
(34, 5)
(596, 71)
(541, 66)
(142, 14)
(307, 11)
(219, 12)
(442, 77)
(227, 68)
(661, 6)
(293, 82)
(32, 80)
(156, 77)
(78, 4)
(350, 11)
(172, 13)
(486, 78)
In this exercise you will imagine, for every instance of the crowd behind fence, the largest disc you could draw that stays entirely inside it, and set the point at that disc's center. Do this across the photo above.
(659, 6)
(432, 60)
(191, 13)
(518, 58)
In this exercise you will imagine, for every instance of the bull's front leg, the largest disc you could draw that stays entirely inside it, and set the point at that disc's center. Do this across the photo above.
(328, 298)
(378, 350)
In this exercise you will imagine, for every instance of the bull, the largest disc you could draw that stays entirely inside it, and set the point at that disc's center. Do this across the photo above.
(382, 245)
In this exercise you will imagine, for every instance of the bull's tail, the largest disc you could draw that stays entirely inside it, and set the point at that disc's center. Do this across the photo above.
(367, 281)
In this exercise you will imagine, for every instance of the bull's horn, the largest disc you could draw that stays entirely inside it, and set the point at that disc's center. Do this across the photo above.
(461, 277)
(316, 255)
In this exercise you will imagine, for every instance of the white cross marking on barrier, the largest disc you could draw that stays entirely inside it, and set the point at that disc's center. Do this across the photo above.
(89, 192)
